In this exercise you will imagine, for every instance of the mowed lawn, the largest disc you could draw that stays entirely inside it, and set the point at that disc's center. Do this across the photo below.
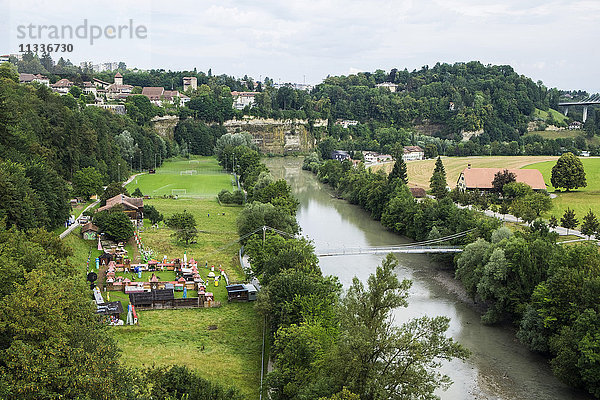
(207, 179)
(419, 172)
(580, 200)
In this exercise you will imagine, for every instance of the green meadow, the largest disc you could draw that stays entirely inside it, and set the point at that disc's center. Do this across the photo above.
(580, 200)
(197, 177)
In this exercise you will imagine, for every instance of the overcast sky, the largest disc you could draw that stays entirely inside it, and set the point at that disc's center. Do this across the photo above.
(291, 40)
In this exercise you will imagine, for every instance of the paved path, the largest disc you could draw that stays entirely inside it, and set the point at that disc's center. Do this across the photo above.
(511, 218)
(76, 223)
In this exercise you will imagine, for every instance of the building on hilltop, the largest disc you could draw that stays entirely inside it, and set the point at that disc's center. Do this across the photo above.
(159, 95)
(243, 99)
(132, 206)
(388, 85)
(190, 82)
(412, 153)
(482, 178)
(62, 86)
(118, 79)
(28, 78)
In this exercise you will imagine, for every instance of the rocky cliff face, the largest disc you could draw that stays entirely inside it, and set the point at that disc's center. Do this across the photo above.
(277, 136)
(165, 126)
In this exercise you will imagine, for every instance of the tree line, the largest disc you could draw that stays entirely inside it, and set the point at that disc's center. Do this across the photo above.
(51, 148)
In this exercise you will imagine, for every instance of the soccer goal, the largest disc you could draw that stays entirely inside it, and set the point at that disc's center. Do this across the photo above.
(188, 172)
(178, 192)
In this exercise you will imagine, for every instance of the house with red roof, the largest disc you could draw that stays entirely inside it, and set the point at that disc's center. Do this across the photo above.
(482, 178)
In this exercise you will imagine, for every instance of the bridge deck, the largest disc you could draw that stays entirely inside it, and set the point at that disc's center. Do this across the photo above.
(392, 249)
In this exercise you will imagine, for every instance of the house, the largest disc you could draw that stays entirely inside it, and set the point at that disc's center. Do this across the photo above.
(118, 90)
(451, 106)
(372, 157)
(243, 99)
(116, 108)
(575, 125)
(62, 86)
(190, 82)
(340, 155)
(413, 153)
(132, 206)
(90, 88)
(345, 123)
(388, 85)
(482, 178)
(89, 231)
(28, 78)
(158, 95)
(243, 292)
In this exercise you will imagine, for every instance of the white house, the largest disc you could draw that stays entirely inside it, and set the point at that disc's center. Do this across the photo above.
(62, 86)
(243, 99)
(575, 125)
(413, 153)
(190, 82)
(389, 85)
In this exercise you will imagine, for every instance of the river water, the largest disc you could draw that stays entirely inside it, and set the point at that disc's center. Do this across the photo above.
(499, 366)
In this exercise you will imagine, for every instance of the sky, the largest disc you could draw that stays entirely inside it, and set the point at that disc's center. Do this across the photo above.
(305, 41)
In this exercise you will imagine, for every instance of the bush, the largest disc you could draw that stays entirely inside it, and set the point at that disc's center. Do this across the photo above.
(226, 197)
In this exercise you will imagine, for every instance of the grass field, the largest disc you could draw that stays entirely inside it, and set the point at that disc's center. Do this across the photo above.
(544, 114)
(208, 179)
(229, 354)
(580, 200)
(419, 172)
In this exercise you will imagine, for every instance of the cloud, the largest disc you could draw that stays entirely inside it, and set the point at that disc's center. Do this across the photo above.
(294, 38)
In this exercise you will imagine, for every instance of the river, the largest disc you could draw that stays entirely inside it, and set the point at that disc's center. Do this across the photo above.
(499, 366)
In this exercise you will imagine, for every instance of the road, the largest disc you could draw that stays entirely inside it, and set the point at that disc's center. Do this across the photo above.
(511, 218)
(76, 223)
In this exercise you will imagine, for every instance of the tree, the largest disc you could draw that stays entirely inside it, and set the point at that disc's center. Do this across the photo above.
(87, 182)
(568, 173)
(431, 151)
(437, 183)
(185, 226)
(376, 359)
(115, 224)
(531, 206)
(113, 189)
(502, 178)
(589, 224)
(552, 222)
(152, 214)
(568, 220)
(255, 215)
(137, 193)
(52, 343)
(399, 171)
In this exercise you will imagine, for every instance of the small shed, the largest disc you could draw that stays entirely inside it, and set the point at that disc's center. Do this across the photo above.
(111, 308)
(89, 231)
(241, 292)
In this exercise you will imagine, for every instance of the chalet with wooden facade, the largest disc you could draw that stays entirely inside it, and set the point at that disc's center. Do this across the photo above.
(132, 206)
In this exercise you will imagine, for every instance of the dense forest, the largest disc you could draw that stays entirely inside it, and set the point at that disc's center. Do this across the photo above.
(45, 139)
